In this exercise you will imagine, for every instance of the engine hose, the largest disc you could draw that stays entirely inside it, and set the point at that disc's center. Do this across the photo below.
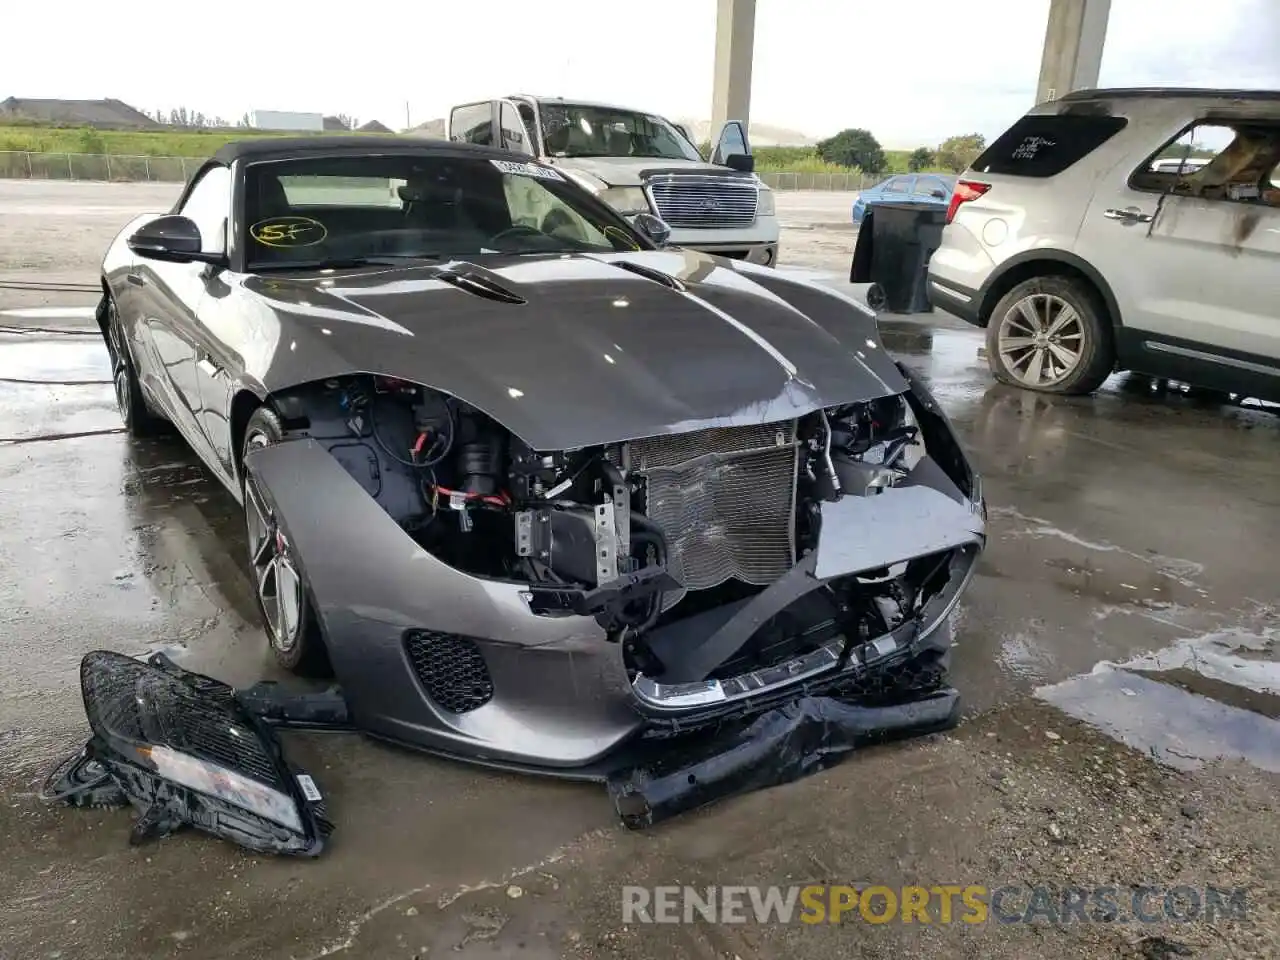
(612, 473)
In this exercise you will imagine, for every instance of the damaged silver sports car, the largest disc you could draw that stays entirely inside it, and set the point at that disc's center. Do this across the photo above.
(530, 483)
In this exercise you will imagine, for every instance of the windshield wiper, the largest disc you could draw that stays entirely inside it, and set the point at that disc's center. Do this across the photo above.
(340, 263)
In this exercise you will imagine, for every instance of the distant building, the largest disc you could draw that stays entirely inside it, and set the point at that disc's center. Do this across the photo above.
(335, 124)
(286, 120)
(103, 114)
(373, 126)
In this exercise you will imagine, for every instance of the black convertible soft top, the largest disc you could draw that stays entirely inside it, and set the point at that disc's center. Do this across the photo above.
(277, 148)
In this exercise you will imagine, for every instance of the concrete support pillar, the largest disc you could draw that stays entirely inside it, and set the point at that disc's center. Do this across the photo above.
(1072, 47)
(735, 39)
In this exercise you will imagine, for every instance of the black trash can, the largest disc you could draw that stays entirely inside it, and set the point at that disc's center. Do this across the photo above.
(893, 255)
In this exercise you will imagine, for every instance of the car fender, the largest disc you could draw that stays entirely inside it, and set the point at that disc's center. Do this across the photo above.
(1018, 262)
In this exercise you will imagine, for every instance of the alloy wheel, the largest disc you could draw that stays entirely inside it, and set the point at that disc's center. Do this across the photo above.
(1041, 340)
(279, 586)
(119, 364)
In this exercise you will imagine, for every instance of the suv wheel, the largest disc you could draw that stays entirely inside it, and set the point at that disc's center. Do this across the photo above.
(1050, 334)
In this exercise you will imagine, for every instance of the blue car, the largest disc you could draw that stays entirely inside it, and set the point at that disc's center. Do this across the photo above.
(907, 187)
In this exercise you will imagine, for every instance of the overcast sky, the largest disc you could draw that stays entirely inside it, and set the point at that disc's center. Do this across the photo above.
(910, 72)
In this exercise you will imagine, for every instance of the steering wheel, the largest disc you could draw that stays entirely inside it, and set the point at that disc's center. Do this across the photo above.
(516, 229)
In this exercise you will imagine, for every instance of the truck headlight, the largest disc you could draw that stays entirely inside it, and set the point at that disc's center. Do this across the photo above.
(764, 206)
(626, 199)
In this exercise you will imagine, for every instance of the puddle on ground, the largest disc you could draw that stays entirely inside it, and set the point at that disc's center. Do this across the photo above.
(55, 387)
(1209, 698)
(79, 360)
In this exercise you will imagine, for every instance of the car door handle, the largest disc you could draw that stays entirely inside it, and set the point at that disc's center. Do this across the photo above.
(1128, 215)
(135, 279)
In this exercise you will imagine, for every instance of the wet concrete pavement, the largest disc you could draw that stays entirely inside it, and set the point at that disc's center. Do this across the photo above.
(1132, 557)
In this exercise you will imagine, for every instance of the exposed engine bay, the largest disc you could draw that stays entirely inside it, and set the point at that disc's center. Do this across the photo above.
(640, 534)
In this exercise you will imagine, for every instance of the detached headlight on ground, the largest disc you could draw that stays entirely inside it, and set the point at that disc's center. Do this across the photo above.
(626, 199)
(226, 785)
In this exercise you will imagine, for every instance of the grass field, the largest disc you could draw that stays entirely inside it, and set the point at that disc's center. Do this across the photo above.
(198, 144)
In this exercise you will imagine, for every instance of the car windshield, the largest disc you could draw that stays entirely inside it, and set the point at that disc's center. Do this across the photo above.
(339, 209)
(580, 130)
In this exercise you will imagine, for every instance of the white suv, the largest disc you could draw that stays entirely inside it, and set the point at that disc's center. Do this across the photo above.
(1124, 230)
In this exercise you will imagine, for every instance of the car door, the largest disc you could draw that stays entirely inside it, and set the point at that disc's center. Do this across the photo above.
(894, 190)
(171, 296)
(1200, 249)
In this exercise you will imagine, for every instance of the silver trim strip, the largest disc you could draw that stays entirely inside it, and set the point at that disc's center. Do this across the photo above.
(1212, 358)
(950, 292)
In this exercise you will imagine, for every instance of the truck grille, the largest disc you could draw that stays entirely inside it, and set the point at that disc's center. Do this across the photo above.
(705, 202)
(725, 499)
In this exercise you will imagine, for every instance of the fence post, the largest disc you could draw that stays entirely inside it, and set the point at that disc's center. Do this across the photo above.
(108, 158)
(70, 175)
(30, 174)
(146, 166)
(183, 161)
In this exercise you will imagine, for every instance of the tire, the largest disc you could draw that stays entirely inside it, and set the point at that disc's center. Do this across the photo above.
(876, 298)
(1050, 318)
(279, 584)
(138, 419)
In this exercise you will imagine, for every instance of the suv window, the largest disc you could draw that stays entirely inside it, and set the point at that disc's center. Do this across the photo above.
(208, 205)
(1216, 160)
(472, 124)
(1044, 146)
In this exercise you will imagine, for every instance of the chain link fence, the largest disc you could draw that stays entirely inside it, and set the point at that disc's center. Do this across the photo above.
(93, 166)
(820, 181)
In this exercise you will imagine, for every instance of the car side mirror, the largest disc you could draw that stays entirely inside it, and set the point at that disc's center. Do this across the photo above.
(733, 149)
(655, 228)
(173, 239)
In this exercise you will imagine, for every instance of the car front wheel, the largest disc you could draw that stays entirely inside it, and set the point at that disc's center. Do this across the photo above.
(138, 419)
(293, 629)
(1052, 335)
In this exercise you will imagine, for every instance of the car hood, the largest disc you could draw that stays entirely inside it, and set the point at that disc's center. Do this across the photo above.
(575, 350)
(631, 171)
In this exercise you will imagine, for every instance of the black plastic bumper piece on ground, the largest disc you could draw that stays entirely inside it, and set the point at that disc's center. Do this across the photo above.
(894, 254)
(279, 706)
(776, 747)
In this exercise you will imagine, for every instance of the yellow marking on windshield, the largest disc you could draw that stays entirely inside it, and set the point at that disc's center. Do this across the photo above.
(288, 232)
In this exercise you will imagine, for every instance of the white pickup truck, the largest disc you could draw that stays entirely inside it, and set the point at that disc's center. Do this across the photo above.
(639, 163)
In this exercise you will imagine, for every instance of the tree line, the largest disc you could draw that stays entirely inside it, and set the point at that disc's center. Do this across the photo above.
(857, 147)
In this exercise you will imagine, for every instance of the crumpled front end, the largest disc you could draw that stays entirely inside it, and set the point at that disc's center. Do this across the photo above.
(644, 589)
